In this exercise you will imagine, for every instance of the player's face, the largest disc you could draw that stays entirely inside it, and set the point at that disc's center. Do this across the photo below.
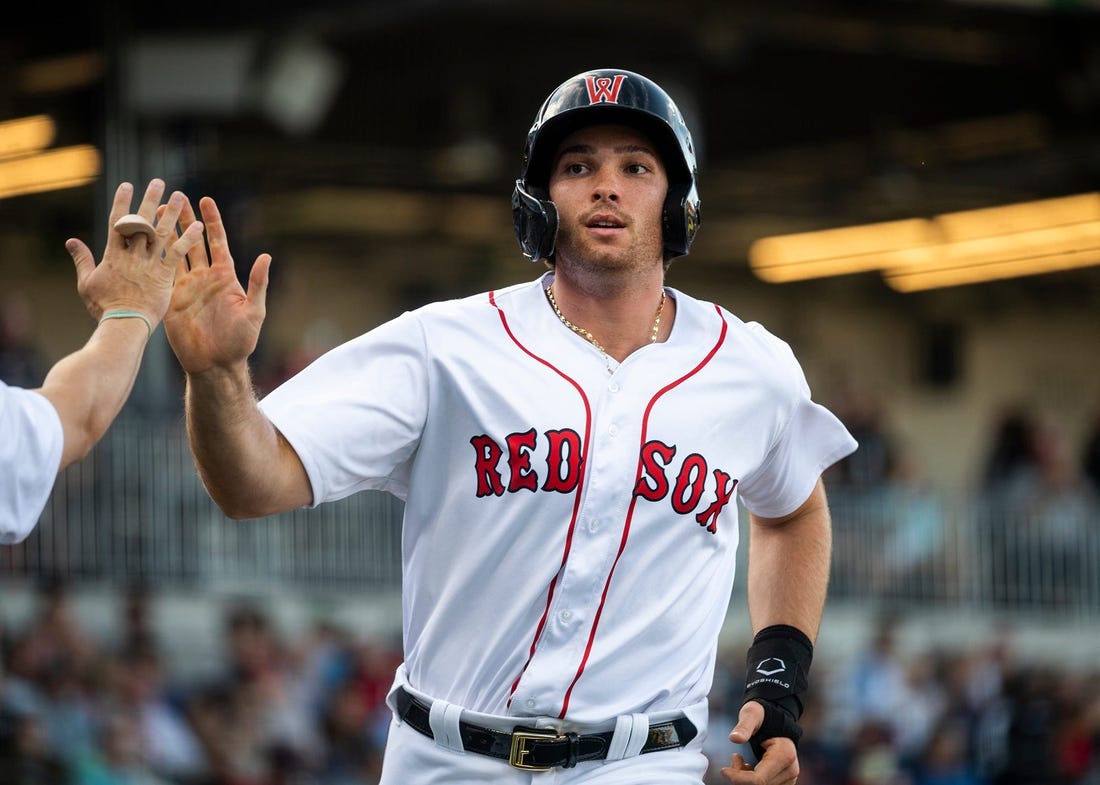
(609, 187)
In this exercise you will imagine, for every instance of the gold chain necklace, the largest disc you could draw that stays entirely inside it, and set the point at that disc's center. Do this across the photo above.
(583, 333)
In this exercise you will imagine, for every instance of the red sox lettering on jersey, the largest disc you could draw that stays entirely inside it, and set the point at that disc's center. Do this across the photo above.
(509, 468)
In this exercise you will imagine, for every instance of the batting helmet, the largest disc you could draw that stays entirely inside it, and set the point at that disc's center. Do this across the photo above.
(608, 95)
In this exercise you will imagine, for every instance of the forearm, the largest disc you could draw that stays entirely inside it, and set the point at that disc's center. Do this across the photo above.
(247, 466)
(89, 387)
(788, 570)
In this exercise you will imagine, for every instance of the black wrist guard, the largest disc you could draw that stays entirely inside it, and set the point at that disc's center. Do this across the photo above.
(777, 667)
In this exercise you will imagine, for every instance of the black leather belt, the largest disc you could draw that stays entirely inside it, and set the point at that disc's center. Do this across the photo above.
(539, 749)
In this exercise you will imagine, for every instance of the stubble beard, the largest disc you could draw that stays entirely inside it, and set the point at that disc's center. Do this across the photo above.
(603, 268)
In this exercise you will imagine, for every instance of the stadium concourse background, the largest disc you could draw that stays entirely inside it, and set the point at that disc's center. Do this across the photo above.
(371, 148)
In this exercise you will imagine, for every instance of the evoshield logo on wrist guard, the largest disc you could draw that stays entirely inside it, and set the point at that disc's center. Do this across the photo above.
(769, 667)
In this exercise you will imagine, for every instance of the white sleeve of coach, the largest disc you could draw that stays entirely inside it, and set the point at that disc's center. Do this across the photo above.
(31, 439)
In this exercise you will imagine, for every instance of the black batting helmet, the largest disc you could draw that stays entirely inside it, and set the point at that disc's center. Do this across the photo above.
(608, 95)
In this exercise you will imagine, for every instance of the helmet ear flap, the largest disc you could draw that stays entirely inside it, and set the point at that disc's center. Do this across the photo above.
(535, 221)
(681, 221)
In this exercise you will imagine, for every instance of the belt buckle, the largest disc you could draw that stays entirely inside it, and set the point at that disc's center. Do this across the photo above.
(520, 738)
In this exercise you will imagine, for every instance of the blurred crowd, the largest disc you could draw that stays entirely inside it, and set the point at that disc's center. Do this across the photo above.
(1028, 459)
(308, 709)
(1023, 533)
(79, 709)
(972, 715)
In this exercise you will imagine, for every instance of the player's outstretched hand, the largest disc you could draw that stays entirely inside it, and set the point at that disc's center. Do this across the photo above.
(136, 272)
(212, 322)
(779, 764)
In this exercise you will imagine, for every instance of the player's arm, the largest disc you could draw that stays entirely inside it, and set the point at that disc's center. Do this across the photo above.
(788, 577)
(788, 566)
(248, 467)
(213, 326)
(89, 387)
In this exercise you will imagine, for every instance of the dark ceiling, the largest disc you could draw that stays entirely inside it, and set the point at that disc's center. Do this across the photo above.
(824, 113)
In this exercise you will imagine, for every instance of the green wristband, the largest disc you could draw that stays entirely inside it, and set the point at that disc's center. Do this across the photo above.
(128, 315)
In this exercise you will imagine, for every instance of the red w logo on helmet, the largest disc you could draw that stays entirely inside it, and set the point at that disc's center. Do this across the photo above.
(604, 89)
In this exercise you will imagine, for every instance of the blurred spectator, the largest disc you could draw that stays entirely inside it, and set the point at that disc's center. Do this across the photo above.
(54, 639)
(1077, 739)
(873, 692)
(1034, 485)
(255, 719)
(874, 759)
(117, 759)
(318, 337)
(324, 661)
(137, 690)
(1059, 504)
(68, 710)
(21, 693)
(21, 362)
(372, 676)
(926, 705)
(1090, 459)
(981, 679)
(914, 530)
(725, 701)
(869, 466)
(228, 726)
(1011, 456)
(824, 758)
(944, 762)
(987, 668)
(1030, 745)
(26, 757)
(136, 620)
(349, 746)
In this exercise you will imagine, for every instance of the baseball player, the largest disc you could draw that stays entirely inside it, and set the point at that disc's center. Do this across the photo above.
(571, 452)
(48, 428)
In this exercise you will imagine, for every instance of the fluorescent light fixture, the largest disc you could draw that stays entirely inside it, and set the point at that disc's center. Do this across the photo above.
(65, 167)
(25, 135)
(1018, 219)
(912, 281)
(1029, 238)
(27, 166)
(852, 249)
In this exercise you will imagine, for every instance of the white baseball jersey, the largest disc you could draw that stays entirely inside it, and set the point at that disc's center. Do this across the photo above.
(569, 535)
(30, 455)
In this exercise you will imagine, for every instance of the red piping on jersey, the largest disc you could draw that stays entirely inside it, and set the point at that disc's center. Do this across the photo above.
(633, 502)
(576, 499)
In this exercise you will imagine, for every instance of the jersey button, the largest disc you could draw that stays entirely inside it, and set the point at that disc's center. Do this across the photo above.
(530, 703)
(593, 524)
(566, 616)
(614, 387)
(613, 430)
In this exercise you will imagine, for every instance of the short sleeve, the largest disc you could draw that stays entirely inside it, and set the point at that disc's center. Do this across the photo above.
(30, 457)
(355, 415)
(810, 440)
(813, 441)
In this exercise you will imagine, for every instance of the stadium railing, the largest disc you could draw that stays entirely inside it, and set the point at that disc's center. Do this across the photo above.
(135, 510)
